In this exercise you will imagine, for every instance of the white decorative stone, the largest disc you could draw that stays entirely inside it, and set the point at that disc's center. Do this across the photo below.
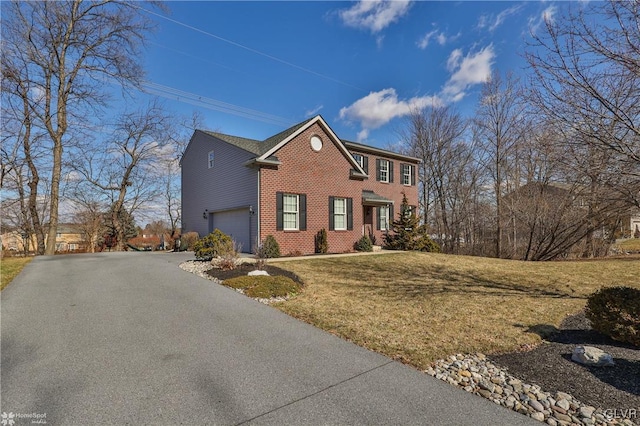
(258, 272)
(591, 356)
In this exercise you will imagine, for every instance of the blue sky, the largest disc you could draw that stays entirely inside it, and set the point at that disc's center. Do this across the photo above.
(253, 69)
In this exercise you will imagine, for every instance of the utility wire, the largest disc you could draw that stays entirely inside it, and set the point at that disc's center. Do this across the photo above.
(257, 52)
(214, 104)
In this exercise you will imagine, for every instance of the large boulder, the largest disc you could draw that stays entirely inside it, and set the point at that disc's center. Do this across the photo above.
(591, 356)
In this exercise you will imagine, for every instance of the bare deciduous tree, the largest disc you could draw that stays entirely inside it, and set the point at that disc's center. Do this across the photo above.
(129, 170)
(56, 56)
(586, 67)
(498, 128)
(448, 173)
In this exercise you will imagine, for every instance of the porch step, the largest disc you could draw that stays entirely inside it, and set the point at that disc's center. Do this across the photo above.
(377, 248)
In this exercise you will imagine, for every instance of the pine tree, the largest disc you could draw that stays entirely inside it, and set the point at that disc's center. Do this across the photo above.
(407, 233)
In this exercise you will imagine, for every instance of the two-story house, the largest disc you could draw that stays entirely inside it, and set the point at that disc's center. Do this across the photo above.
(291, 186)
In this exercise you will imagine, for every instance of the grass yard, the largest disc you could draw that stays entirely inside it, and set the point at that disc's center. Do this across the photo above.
(10, 267)
(419, 307)
(630, 245)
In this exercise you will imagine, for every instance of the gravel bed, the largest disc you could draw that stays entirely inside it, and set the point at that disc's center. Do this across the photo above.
(203, 269)
(475, 373)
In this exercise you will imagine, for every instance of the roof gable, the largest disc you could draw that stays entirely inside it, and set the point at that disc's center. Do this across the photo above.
(281, 139)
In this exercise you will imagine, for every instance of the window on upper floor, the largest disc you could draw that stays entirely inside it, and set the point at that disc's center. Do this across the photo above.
(363, 161)
(408, 174)
(210, 159)
(384, 170)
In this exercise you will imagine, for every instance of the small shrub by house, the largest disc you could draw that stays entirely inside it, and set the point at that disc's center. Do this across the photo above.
(216, 244)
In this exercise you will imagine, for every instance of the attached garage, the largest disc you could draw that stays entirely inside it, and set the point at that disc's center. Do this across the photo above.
(236, 224)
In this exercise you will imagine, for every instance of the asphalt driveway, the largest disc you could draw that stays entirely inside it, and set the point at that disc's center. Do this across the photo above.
(129, 338)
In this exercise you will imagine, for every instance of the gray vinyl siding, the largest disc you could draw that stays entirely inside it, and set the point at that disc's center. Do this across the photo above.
(227, 185)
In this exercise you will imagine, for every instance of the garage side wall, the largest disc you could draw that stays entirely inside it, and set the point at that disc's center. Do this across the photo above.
(227, 185)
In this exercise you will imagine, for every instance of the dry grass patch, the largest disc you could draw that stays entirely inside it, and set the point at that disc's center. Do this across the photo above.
(418, 307)
(10, 267)
(630, 245)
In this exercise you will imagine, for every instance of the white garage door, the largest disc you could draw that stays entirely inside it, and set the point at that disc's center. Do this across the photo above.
(234, 223)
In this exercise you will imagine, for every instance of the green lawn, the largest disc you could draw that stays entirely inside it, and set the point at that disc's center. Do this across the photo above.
(10, 267)
(419, 307)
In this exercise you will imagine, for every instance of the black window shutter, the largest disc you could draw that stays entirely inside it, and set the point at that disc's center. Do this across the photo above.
(378, 218)
(350, 214)
(390, 215)
(378, 161)
(302, 199)
(413, 175)
(390, 171)
(279, 212)
(332, 225)
(365, 164)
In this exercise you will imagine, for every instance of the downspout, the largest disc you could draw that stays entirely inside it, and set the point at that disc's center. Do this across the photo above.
(259, 208)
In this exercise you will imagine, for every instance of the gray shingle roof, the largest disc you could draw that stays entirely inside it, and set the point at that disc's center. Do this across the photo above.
(259, 148)
(254, 146)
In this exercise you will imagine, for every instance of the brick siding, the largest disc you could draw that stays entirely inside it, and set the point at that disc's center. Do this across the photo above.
(320, 175)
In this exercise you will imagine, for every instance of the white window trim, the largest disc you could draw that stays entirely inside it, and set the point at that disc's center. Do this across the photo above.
(386, 218)
(407, 171)
(343, 214)
(210, 159)
(384, 167)
(285, 212)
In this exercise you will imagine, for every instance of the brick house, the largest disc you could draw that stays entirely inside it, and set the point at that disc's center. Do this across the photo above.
(291, 186)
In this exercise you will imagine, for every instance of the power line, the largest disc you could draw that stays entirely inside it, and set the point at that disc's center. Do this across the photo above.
(257, 52)
(214, 104)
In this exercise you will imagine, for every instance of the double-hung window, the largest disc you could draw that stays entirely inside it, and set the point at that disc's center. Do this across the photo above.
(210, 159)
(407, 174)
(359, 159)
(384, 170)
(383, 218)
(290, 212)
(340, 214)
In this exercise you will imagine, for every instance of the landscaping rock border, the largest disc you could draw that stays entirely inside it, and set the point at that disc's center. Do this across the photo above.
(475, 374)
(200, 268)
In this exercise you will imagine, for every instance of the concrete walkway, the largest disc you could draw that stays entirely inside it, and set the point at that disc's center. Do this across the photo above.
(129, 338)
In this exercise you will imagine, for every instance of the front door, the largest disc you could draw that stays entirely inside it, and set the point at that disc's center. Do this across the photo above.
(367, 226)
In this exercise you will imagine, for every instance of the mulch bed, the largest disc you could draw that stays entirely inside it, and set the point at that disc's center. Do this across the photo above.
(244, 268)
(549, 365)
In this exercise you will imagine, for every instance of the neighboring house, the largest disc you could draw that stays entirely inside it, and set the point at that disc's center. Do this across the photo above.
(291, 186)
(630, 224)
(68, 239)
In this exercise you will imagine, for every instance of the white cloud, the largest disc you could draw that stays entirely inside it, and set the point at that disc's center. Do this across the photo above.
(314, 111)
(547, 15)
(492, 22)
(454, 60)
(374, 15)
(378, 108)
(475, 68)
(439, 36)
(424, 41)
(362, 135)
